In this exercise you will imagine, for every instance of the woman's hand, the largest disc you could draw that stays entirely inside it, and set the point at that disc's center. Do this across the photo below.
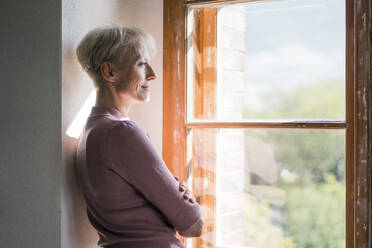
(187, 195)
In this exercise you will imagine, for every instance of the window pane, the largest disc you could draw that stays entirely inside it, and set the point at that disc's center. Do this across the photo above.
(270, 60)
(269, 188)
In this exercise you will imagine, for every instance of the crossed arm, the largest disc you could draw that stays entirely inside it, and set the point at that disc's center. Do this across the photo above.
(136, 160)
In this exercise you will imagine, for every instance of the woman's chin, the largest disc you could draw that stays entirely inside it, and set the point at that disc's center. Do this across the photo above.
(143, 99)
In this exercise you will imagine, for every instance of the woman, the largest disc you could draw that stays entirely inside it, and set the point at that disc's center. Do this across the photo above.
(132, 198)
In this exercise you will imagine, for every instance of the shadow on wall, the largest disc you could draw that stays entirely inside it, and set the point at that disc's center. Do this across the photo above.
(77, 226)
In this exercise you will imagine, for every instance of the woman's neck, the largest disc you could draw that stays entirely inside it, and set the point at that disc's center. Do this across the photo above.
(109, 97)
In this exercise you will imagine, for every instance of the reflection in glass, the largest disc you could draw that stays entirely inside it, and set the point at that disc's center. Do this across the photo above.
(269, 188)
(273, 60)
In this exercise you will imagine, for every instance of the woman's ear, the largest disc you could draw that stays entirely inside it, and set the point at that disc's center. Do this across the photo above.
(107, 73)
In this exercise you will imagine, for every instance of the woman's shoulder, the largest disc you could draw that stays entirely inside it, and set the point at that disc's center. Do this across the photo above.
(125, 126)
(126, 137)
(126, 129)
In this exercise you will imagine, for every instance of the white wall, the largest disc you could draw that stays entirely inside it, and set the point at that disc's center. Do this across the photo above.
(79, 16)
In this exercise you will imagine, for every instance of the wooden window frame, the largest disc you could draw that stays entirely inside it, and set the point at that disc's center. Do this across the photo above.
(358, 124)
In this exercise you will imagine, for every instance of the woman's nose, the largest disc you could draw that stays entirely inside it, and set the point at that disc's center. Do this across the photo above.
(150, 73)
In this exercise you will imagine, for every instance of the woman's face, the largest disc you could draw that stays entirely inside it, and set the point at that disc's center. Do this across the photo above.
(134, 75)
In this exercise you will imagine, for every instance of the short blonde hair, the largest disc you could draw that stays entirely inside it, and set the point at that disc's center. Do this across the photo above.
(110, 43)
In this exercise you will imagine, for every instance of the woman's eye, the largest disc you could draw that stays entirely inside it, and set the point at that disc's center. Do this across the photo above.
(142, 63)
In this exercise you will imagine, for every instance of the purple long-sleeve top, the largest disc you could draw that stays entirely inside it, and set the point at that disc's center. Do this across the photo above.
(132, 198)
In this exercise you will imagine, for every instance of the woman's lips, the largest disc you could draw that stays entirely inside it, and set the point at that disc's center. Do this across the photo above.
(145, 87)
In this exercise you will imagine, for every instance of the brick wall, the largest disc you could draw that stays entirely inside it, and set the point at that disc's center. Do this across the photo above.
(230, 144)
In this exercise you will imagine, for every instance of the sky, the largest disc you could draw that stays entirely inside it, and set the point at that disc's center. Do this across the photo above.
(292, 42)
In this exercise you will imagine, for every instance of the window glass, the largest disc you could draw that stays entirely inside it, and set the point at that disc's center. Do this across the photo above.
(273, 60)
(269, 188)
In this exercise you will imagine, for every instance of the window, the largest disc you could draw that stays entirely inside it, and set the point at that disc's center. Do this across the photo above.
(250, 149)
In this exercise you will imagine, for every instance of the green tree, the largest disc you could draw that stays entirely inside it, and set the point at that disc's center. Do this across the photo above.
(319, 100)
(314, 213)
